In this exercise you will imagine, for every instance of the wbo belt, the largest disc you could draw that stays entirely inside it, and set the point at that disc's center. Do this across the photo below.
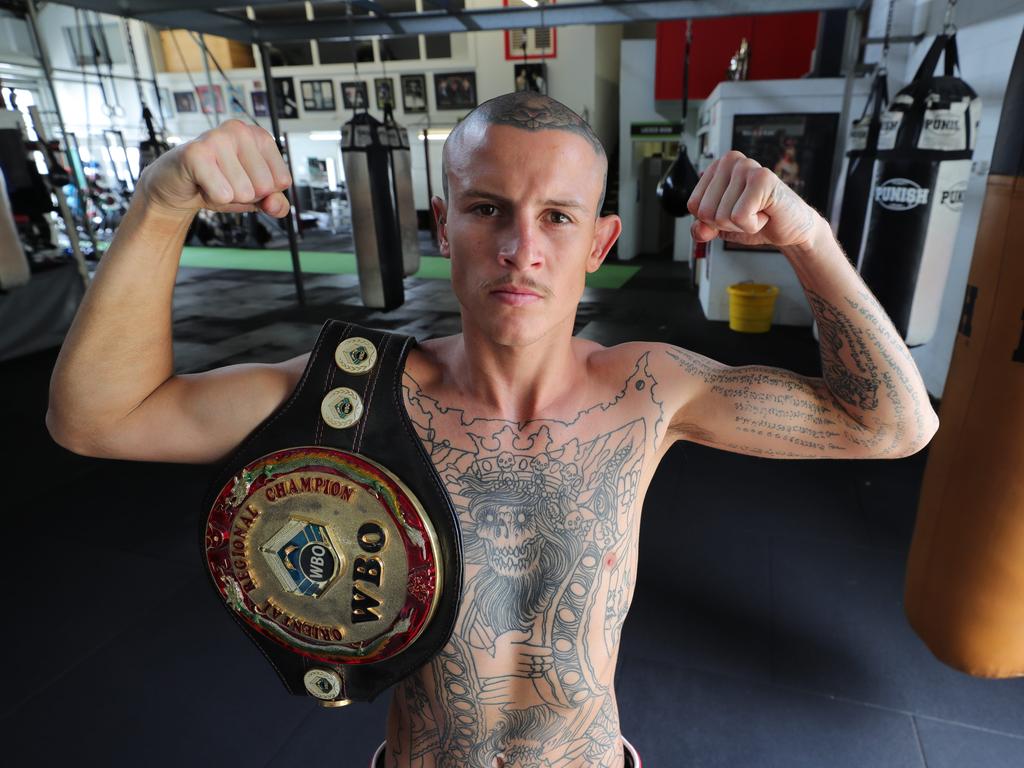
(330, 537)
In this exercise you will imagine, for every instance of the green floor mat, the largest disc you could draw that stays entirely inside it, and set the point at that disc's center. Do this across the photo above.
(316, 262)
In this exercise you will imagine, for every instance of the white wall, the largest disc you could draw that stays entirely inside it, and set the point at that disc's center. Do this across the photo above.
(636, 105)
(989, 31)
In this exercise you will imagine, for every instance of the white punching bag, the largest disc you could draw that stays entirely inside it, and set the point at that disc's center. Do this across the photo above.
(925, 145)
(401, 174)
(366, 151)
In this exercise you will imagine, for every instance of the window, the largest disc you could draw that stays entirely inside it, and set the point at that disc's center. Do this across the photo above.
(285, 54)
(99, 43)
(289, 54)
(397, 6)
(345, 51)
(438, 46)
(400, 48)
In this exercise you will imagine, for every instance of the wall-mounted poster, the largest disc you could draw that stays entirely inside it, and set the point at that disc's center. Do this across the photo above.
(236, 99)
(260, 104)
(210, 101)
(385, 89)
(532, 77)
(287, 101)
(414, 93)
(353, 95)
(455, 90)
(184, 101)
(797, 147)
(317, 95)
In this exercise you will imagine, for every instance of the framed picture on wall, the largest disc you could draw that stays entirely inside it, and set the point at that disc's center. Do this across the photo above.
(455, 90)
(211, 100)
(318, 95)
(797, 147)
(260, 104)
(184, 101)
(287, 101)
(414, 93)
(531, 77)
(353, 95)
(385, 90)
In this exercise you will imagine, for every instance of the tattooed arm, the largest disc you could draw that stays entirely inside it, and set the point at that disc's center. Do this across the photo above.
(871, 401)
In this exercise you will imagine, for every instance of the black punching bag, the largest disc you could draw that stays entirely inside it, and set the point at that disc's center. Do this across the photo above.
(681, 178)
(925, 145)
(366, 151)
(860, 166)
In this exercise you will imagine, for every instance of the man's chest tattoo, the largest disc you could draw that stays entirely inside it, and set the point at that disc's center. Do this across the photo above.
(549, 514)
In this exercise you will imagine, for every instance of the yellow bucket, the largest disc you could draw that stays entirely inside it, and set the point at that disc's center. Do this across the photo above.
(751, 306)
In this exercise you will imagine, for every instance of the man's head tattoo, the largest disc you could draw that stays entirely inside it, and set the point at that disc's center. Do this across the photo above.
(528, 111)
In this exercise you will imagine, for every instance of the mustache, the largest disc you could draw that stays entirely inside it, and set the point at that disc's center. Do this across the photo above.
(508, 280)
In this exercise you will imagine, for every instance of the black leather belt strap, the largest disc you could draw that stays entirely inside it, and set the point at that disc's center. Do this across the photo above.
(384, 434)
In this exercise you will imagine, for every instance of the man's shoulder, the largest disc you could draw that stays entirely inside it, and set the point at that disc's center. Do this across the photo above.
(630, 353)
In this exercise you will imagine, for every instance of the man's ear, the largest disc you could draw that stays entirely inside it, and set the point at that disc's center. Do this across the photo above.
(440, 208)
(606, 232)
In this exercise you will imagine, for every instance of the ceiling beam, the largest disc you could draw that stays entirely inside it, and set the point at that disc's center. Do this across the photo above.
(189, 14)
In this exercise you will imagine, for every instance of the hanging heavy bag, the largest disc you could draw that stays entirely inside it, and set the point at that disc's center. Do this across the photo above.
(679, 181)
(925, 145)
(405, 205)
(366, 151)
(860, 164)
(153, 146)
(965, 572)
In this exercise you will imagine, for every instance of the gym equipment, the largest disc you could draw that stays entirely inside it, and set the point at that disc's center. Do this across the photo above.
(14, 269)
(860, 158)
(925, 145)
(330, 537)
(860, 167)
(679, 181)
(152, 147)
(965, 573)
(405, 205)
(366, 150)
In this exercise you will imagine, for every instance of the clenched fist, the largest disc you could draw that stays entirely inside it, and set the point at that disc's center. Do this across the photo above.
(235, 167)
(737, 199)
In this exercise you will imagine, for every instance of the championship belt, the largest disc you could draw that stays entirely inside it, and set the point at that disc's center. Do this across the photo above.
(330, 537)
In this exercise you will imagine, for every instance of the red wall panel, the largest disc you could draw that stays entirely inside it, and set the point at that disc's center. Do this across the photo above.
(780, 48)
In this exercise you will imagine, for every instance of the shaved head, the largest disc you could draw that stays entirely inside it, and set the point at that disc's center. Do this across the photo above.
(527, 111)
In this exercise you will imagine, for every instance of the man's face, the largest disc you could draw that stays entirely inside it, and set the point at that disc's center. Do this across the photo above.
(520, 228)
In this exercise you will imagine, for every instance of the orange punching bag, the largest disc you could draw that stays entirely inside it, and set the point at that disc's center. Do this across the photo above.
(964, 592)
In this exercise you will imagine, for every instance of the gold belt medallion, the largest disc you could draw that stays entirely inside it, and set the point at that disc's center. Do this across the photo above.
(326, 552)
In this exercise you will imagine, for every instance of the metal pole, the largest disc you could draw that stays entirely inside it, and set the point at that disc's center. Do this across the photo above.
(62, 203)
(293, 243)
(851, 49)
(44, 59)
(296, 207)
(209, 79)
(152, 71)
(430, 185)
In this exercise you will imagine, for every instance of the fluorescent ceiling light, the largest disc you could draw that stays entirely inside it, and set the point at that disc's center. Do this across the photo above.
(435, 134)
(531, 3)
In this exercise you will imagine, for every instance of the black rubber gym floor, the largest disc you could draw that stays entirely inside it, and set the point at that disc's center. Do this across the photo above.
(767, 627)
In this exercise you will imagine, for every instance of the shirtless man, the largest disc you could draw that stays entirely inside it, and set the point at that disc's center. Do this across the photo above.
(546, 443)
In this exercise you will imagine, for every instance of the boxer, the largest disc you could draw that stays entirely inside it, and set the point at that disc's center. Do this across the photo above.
(546, 443)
